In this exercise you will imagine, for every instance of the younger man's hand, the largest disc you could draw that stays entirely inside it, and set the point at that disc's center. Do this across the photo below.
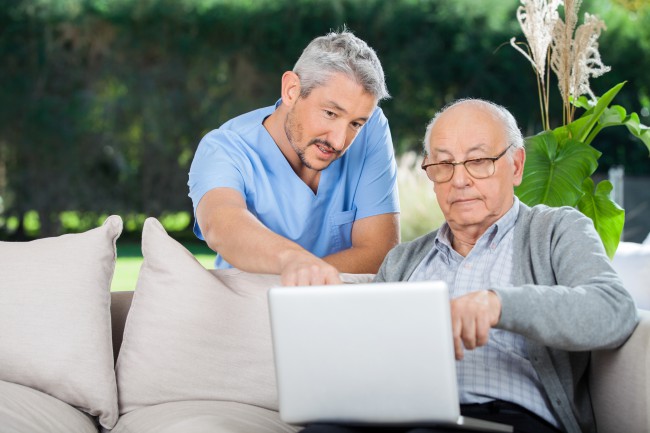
(301, 268)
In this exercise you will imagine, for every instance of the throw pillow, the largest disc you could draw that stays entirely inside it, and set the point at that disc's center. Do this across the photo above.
(195, 334)
(55, 318)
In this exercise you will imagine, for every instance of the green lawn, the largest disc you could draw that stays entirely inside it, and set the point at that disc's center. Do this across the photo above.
(129, 260)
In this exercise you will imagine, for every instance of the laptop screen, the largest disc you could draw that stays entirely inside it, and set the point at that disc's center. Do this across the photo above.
(364, 353)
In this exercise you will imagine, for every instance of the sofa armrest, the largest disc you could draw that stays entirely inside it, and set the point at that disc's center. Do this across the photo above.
(120, 305)
(619, 382)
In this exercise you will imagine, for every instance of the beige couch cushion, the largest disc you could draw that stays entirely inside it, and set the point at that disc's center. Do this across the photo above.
(619, 383)
(55, 317)
(25, 410)
(195, 334)
(202, 417)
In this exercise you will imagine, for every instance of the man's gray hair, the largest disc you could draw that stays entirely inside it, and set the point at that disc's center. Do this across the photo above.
(340, 52)
(513, 133)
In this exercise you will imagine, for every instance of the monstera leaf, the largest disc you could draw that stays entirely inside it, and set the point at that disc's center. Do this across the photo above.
(608, 217)
(560, 162)
(602, 115)
(555, 169)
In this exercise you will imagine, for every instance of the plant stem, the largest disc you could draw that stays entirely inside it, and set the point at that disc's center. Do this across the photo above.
(540, 94)
(548, 87)
(594, 132)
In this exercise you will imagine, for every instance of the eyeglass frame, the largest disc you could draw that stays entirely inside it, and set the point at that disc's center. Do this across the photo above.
(494, 159)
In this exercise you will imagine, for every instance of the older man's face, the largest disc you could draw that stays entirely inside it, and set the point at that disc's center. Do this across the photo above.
(468, 132)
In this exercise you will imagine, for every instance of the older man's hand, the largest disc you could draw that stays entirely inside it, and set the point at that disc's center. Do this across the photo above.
(472, 316)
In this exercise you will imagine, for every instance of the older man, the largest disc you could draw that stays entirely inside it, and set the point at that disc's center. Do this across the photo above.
(305, 188)
(532, 288)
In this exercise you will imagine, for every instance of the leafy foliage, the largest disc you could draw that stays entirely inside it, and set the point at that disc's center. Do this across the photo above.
(556, 166)
(607, 216)
(560, 162)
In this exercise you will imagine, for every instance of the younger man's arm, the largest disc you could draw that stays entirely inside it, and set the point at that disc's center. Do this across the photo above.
(372, 238)
(244, 242)
(230, 229)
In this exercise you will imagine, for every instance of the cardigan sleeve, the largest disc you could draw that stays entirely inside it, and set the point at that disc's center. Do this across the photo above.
(566, 294)
(401, 261)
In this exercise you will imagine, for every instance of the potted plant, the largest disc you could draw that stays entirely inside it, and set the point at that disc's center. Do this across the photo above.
(561, 161)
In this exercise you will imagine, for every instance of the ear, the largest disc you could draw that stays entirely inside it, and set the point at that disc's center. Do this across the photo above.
(290, 88)
(519, 158)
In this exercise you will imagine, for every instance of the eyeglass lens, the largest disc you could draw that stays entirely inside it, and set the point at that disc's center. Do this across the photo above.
(477, 168)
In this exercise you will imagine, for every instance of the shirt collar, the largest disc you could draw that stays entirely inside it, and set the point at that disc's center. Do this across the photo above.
(494, 234)
(506, 223)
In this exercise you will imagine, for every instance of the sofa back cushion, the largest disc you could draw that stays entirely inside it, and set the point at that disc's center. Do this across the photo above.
(55, 318)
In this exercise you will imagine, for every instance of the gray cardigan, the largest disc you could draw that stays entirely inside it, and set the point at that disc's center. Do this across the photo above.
(566, 300)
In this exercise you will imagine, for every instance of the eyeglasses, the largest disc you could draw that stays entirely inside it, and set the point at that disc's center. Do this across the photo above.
(479, 168)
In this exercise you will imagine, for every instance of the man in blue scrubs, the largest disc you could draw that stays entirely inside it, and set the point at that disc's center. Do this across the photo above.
(305, 188)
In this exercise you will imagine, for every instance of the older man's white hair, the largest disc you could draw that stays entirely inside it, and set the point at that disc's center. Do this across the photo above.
(513, 133)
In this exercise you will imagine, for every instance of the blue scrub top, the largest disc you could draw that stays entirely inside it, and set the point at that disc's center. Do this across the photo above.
(242, 155)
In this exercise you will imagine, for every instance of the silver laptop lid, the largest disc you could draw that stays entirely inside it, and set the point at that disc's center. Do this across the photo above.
(364, 353)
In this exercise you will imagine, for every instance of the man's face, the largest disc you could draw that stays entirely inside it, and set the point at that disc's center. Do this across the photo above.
(468, 132)
(321, 127)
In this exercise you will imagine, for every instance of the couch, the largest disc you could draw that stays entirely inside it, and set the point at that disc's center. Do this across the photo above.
(189, 351)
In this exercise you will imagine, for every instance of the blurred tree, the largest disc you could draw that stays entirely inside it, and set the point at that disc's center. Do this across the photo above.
(102, 104)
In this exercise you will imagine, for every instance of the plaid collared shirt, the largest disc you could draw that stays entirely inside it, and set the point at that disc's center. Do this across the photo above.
(501, 369)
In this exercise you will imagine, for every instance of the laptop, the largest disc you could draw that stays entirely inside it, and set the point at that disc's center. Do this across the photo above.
(361, 354)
